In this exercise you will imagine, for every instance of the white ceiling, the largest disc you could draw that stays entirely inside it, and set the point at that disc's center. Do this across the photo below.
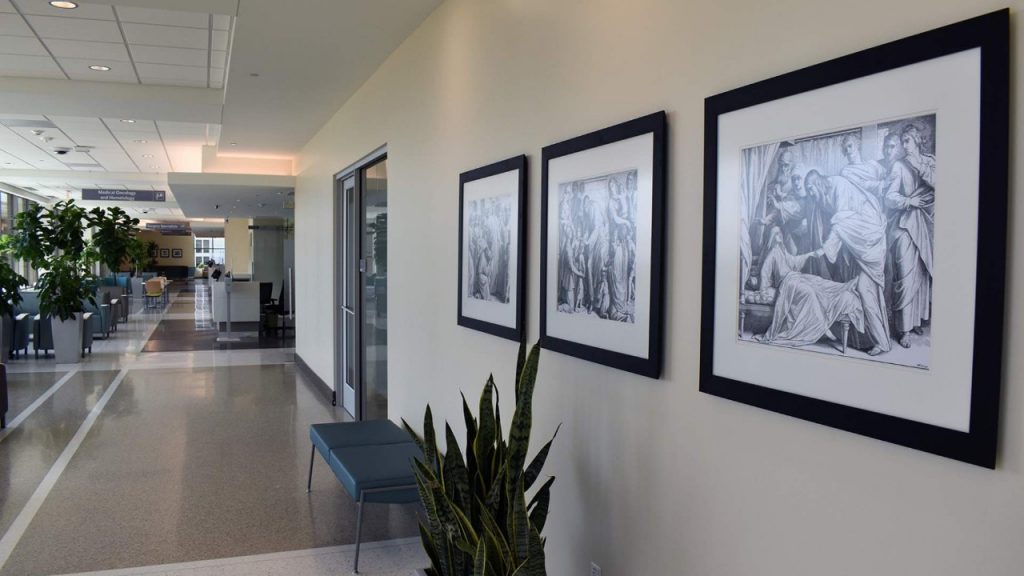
(263, 74)
(233, 195)
(139, 45)
(311, 56)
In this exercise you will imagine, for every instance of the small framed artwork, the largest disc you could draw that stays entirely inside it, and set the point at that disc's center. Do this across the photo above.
(602, 245)
(176, 253)
(855, 240)
(165, 252)
(492, 226)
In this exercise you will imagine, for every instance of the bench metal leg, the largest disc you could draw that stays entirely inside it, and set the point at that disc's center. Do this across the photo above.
(359, 531)
(312, 455)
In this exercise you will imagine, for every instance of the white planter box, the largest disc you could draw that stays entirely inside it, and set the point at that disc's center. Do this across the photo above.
(67, 339)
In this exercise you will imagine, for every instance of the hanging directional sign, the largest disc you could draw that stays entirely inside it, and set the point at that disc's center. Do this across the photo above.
(124, 195)
(170, 228)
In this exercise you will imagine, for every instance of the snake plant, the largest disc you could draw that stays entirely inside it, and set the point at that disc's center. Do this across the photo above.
(479, 522)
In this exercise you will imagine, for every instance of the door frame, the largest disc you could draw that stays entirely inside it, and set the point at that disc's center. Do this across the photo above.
(338, 262)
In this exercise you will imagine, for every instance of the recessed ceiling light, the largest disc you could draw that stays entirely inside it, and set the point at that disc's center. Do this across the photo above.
(63, 4)
(99, 68)
(234, 143)
(155, 167)
(127, 121)
(254, 74)
(147, 155)
(140, 141)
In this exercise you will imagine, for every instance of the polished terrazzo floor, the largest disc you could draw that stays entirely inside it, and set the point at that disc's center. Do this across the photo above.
(172, 460)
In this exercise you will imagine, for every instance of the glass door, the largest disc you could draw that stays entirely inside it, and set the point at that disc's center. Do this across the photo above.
(374, 268)
(363, 314)
(349, 287)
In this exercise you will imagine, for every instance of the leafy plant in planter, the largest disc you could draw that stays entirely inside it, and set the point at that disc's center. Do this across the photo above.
(138, 254)
(113, 233)
(52, 239)
(10, 281)
(10, 290)
(478, 519)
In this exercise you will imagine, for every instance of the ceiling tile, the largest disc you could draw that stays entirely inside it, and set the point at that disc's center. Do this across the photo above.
(82, 49)
(13, 25)
(167, 55)
(5, 6)
(114, 160)
(174, 36)
(7, 162)
(25, 45)
(218, 59)
(192, 130)
(220, 40)
(78, 69)
(31, 66)
(221, 22)
(86, 10)
(163, 17)
(139, 126)
(216, 82)
(75, 29)
(167, 72)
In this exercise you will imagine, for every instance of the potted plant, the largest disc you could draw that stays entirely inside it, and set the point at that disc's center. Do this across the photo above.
(10, 295)
(113, 235)
(112, 238)
(52, 239)
(478, 518)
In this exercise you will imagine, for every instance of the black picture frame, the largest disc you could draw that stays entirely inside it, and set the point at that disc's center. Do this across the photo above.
(516, 164)
(176, 253)
(978, 445)
(656, 125)
(165, 252)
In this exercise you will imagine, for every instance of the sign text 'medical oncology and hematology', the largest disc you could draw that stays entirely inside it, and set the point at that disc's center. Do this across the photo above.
(124, 195)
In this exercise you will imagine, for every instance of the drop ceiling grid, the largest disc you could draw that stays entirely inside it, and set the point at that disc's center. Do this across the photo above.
(140, 45)
(117, 145)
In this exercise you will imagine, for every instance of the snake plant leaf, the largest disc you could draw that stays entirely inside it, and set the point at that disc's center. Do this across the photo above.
(480, 561)
(519, 524)
(429, 546)
(535, 563)
(522, 420)
(484, 445)
(455, 473)
(500, 546)
(430, 440)
(414, 435)
(533, 470)
(471, 428)
(540, 503)
(520, 362)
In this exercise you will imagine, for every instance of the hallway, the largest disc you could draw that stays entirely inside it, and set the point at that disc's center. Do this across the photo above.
(148, 458)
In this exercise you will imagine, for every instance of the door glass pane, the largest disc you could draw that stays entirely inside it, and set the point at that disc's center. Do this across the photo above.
(350, 249)
(375, 290)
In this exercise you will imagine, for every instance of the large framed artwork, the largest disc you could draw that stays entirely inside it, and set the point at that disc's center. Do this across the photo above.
(492, 226)
(177, 253)
(602, 245)
(165, 252)
(855, 241)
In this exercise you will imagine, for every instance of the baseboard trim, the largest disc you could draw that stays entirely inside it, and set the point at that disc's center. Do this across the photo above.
(321, 386)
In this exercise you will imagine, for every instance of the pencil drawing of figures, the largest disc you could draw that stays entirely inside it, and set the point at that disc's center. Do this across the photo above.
(490, 241)
(597, 246)
(836, 250)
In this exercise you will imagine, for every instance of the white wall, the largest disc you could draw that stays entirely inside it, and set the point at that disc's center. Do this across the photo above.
(654, 478)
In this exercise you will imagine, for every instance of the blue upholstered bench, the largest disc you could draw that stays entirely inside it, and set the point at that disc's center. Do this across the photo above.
(372, 460)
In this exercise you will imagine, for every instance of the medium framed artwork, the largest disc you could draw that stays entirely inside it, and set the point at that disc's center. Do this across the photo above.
(492, 226)
(165, 252)
(855, 240)
(602, 245)
(176, 253)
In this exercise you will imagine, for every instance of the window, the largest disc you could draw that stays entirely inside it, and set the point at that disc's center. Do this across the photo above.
(209, 249)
